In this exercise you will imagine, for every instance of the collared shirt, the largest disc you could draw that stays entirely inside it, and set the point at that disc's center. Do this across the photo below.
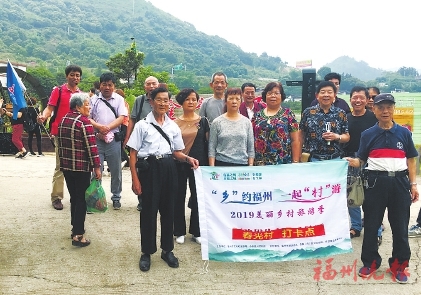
(77, 145)
(313, 124)
(248, 113)
(386, 150)
(63, 106)
(102, 114)
(147, 141)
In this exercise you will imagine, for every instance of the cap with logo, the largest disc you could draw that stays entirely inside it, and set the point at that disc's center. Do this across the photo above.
(384, 97)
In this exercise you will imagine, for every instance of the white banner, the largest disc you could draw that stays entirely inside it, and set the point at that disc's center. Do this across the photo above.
(273, 213)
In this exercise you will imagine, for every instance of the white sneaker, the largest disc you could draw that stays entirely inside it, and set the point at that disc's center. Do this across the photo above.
(197, 239)
(123, 164)
(180, 240)
(414, 231)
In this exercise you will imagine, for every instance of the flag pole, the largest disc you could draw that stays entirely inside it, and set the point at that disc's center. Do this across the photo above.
(42, 125)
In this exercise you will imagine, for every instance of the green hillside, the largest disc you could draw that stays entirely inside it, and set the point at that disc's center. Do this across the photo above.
(55, 32)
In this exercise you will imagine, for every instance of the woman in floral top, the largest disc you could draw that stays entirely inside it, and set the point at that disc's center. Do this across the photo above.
(276, 136)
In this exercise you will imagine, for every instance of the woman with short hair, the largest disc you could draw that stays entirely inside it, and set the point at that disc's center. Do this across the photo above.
(231, 141)
(79, 156)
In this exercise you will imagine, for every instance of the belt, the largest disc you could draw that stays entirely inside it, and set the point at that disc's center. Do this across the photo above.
(157, 157)
(326, 157)
(389, 173)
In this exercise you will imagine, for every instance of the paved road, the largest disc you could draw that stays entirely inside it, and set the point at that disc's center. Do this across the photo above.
(37, 256)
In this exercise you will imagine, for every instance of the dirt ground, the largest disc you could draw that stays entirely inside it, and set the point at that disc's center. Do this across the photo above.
(37, 256)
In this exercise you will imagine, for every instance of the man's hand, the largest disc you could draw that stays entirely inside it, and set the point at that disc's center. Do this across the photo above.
(414, 193)
(136, 186)
(103, 129)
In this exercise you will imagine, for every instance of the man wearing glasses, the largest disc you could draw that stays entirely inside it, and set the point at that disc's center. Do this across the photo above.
(213, 106)
(372, 93)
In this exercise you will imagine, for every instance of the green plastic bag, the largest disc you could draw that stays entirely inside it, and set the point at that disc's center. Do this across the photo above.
(95, 197)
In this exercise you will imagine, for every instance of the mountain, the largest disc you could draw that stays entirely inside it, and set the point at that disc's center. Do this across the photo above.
(56, 32)
(358, 69)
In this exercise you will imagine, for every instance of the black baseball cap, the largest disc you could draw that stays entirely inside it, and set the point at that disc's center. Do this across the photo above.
(384, 97)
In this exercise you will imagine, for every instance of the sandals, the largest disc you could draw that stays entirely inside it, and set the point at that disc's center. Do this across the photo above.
(354, 233)
(79, 242)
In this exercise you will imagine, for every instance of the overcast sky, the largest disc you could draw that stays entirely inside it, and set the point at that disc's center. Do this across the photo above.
(385, 34)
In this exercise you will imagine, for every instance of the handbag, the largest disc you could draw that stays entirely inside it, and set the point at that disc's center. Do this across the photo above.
(95, 197)
(355, 191)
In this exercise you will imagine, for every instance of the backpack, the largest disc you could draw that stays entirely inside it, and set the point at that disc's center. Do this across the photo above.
(28, 123)
(53, 117)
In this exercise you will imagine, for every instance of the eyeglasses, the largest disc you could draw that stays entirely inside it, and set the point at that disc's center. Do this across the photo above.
(273, 93)
(372, 97)
(219, 82)
(162, 101)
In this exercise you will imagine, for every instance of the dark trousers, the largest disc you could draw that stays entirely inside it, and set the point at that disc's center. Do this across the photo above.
(391, 193)
(37, 132)
(159, 188)
(221, 163)
(77, 183)
(184, 173)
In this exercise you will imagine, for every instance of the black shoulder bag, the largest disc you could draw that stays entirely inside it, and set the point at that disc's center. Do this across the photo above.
(162, 133)
(118, 136)
(141, 107)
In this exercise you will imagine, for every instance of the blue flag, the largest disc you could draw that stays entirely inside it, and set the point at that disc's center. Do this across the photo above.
(16, 90)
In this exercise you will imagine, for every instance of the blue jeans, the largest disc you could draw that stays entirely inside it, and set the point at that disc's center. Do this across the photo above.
(356, 223)
(355, 216)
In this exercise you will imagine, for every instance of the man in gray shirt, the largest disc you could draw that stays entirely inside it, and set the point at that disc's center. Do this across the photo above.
(150, 84)
(213, 106)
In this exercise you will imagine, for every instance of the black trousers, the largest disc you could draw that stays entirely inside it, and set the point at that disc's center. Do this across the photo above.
(37, 132)
(392, 193)
(159, 189)
(77, 183)
(184, 173)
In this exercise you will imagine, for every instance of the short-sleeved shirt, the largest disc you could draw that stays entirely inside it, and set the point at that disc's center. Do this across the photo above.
(212, 108)
(356, 125)
(102, 114)
(313, 124)
(272, 136)
(386, 150)
(147, 141)
(146, 108)
(63, 105)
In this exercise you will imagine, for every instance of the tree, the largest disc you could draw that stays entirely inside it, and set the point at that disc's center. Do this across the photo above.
(125, 66)
(408, 72)
(323, 71)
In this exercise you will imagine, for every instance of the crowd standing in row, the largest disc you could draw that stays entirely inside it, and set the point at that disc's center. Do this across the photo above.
(233, 129)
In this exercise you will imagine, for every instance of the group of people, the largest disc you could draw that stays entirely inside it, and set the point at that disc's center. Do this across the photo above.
(30, 112)
(231, 129)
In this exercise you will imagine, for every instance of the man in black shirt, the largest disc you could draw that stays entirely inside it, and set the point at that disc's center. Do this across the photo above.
(359, 120)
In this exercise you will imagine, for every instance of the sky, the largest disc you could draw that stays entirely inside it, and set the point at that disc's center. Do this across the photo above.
(384, 34)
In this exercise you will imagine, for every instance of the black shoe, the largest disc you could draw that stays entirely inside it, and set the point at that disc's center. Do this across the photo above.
(145, 262)
(139, 207)
(116, 205)
(170, 259)
(379, 240)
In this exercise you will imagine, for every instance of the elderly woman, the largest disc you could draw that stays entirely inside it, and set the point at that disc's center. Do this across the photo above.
(231, 141)
(276, 136)
(195, 133)
(78, 155)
